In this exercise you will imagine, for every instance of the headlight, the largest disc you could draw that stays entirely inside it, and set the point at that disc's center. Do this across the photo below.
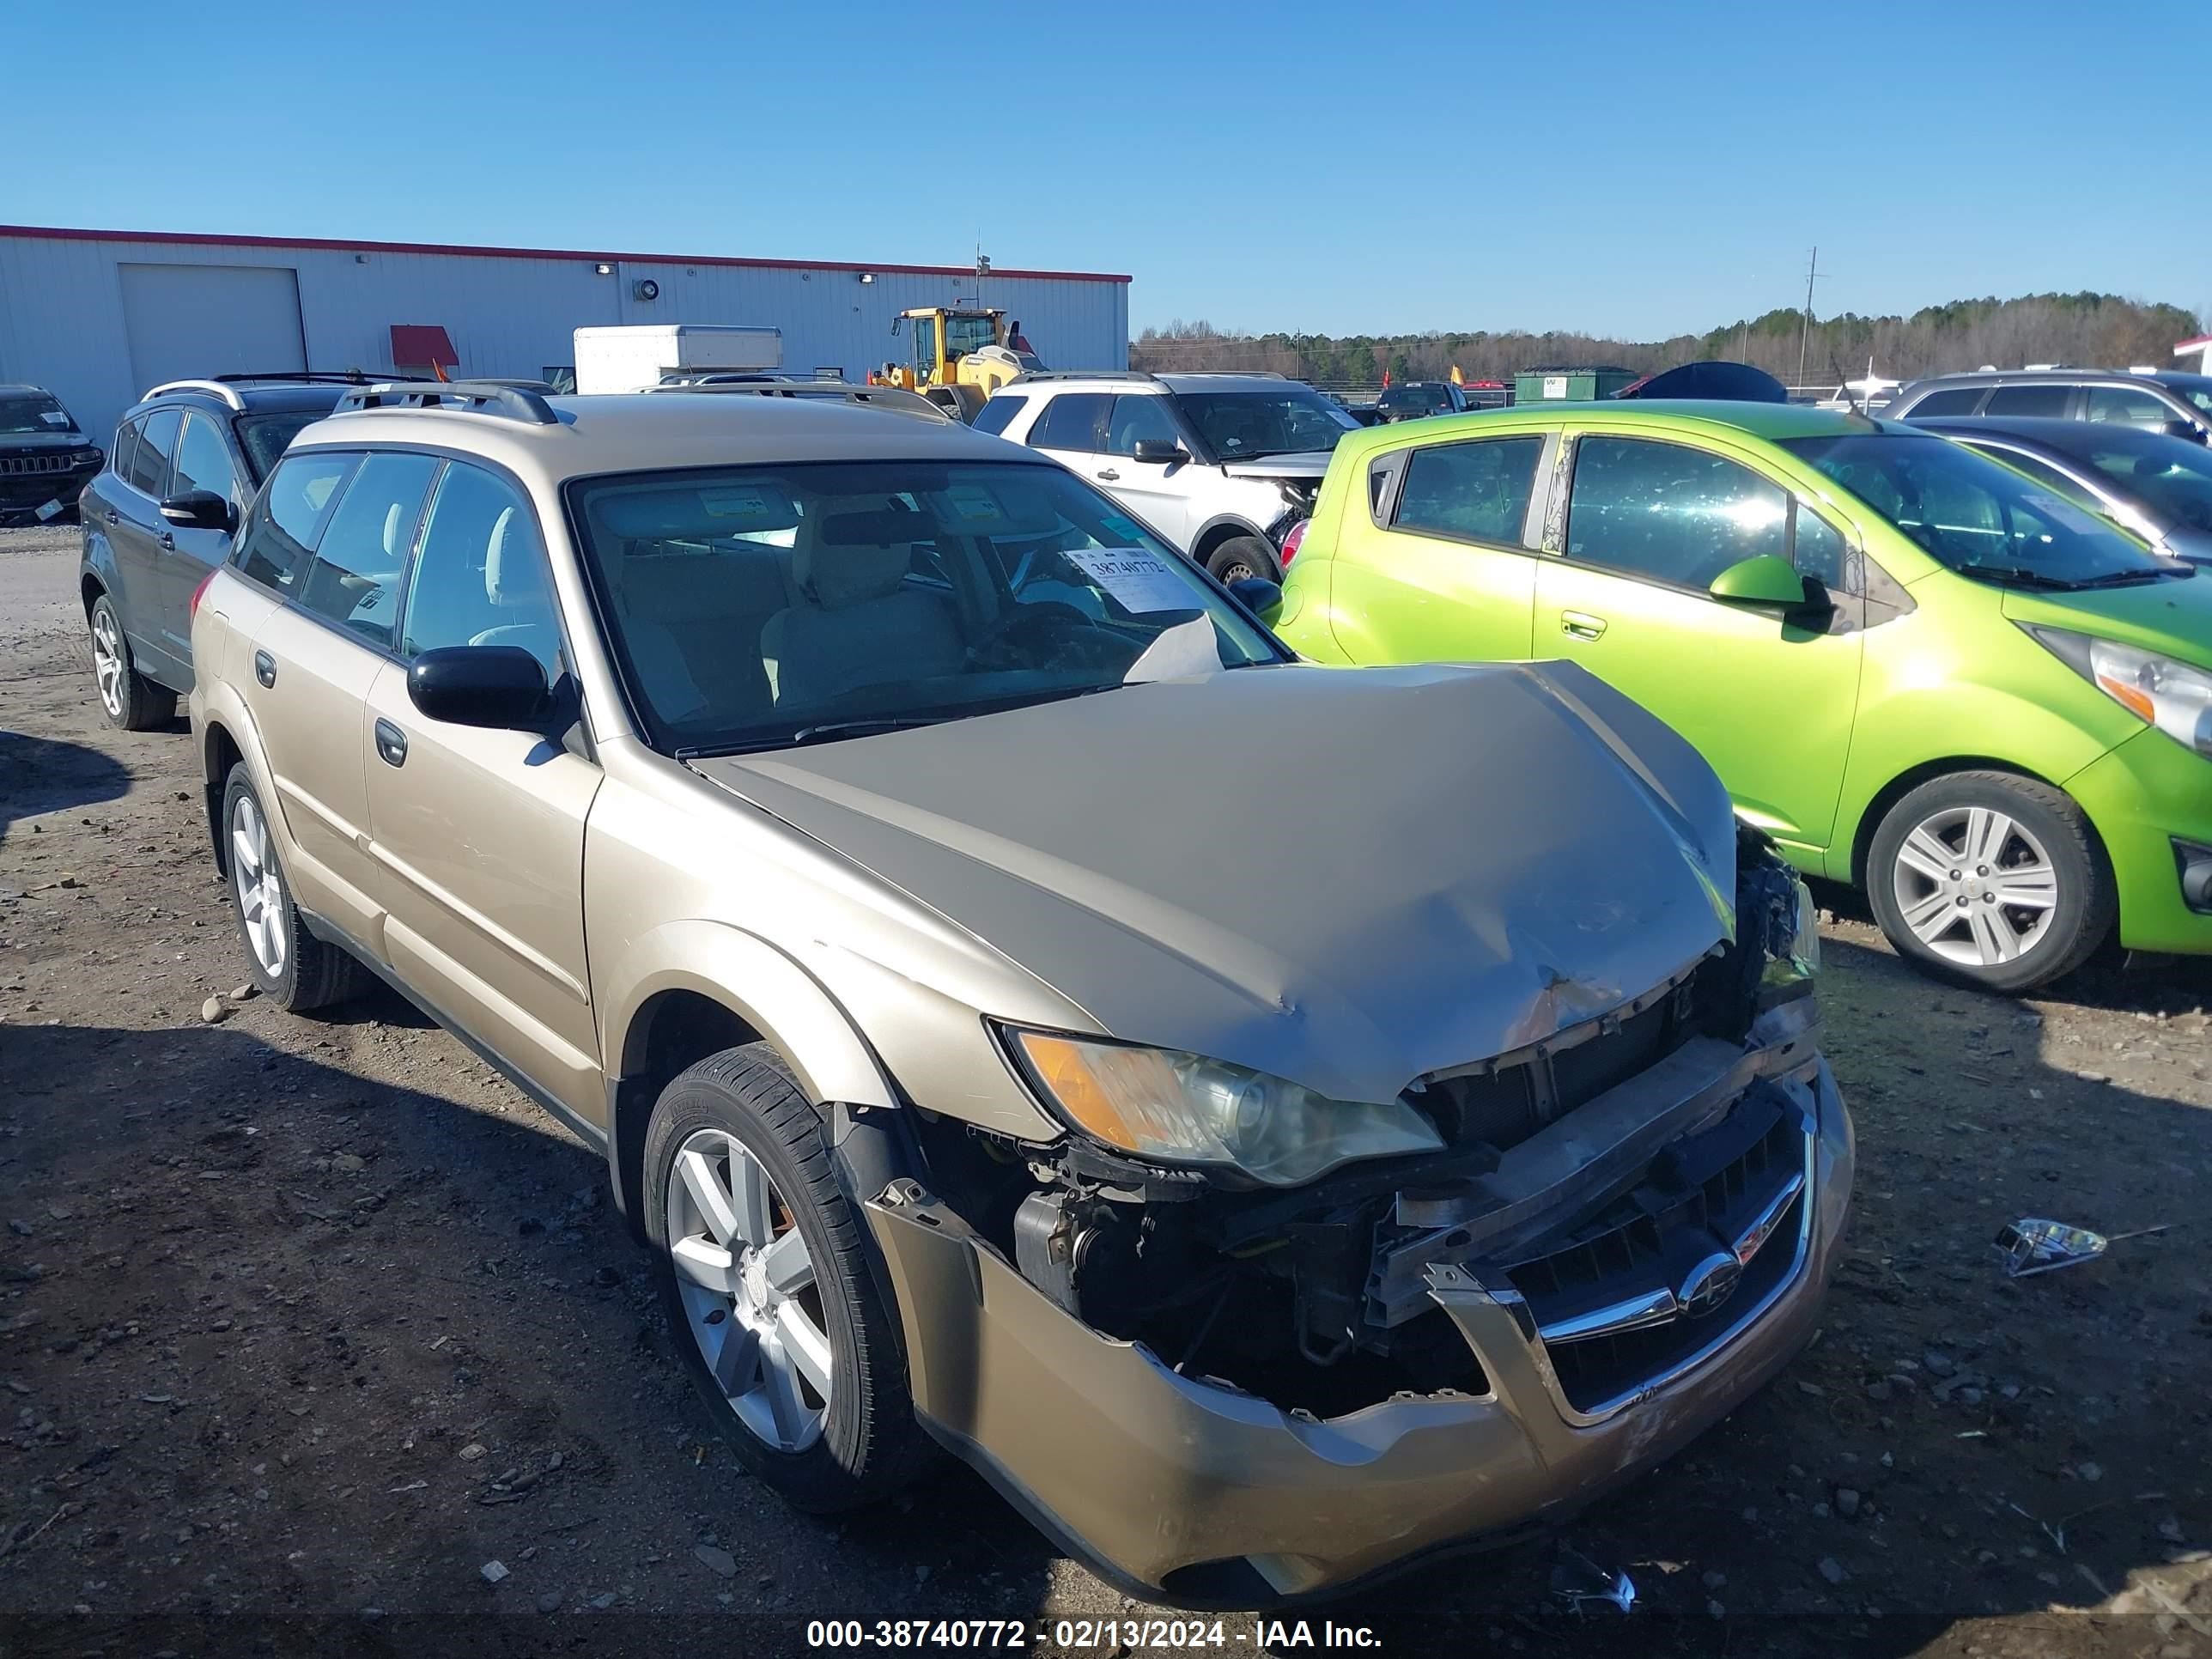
(1793, 950)
(2174, 697)
(1181, 1108)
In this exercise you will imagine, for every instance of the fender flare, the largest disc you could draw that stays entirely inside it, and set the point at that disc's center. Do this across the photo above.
(763, 986)
(1212, 530)
(97, 564)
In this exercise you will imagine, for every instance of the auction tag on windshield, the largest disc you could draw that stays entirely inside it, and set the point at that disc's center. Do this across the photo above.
(1136, 577)
(2065, 512)
(53, 417)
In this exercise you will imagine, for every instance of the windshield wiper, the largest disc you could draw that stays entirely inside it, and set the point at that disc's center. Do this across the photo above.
(824, 731)
(2021, 573)
(2124, 578)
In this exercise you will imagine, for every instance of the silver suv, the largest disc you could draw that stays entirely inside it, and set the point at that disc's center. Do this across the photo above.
(1224, 466)
(2158, 400)
(819, 808)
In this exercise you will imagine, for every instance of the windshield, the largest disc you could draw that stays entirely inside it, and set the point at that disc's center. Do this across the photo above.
(752, 607)
(2170, 475)
(265, 436)
(32, 411)
(965, 334)
(1238, 426)
(1980, 519)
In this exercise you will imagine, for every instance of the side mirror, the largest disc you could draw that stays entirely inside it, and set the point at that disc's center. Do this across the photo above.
(200, 510)
(1159, 452)
(1262, 597)
(499, 686)
(2188, 429)
(1765, 580)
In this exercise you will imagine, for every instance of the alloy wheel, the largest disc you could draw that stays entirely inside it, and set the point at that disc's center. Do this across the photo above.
(748, 1286)
(107, 663)
(1975, 886)
(260, 891)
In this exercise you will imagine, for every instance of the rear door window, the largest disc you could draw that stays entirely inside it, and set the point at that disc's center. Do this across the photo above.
(1475, 492)
(126, 447)
(1076, 421)
(149, 461)
(359, 558)
(1952, 400)
(282, 536)
(1670, 513)
(2029, 400)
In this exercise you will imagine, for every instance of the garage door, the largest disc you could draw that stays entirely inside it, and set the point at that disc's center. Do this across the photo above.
(189, 322)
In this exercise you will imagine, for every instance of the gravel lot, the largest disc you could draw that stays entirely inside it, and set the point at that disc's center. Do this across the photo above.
(305, 1323)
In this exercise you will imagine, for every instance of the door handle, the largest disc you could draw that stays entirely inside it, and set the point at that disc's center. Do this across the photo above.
(265, 668)
(1581, 624)
(391, 743)
(112, 516)
(166, 542)
(1109, 474)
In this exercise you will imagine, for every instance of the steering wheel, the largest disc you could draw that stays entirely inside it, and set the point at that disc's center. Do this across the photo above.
(1045, 619)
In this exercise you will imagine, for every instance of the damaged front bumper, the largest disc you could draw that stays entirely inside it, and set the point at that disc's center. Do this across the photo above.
(1193, 1492)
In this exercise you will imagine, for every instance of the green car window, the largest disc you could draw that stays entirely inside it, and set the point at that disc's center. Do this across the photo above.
(1471, 492)
(1973, 515)
(1670, 512)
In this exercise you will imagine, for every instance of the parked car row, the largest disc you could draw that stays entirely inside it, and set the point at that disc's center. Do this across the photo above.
(824, 808)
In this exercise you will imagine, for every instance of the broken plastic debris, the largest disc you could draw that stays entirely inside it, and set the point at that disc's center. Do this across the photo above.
(2034, 1245)
(1577, 1579)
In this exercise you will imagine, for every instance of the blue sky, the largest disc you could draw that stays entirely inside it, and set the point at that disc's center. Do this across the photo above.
(1639, 169)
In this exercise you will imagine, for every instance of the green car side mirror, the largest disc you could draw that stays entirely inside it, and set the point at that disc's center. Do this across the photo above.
(1765, 580)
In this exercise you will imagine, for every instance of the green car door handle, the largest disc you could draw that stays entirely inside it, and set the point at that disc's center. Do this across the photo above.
(1581, 624)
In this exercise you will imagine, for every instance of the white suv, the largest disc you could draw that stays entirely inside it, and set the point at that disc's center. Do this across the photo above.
(1223, 465)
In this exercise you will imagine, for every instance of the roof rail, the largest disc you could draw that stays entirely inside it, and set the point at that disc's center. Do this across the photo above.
(1226, 374)
(511, 403)
(895, 400)
(315, 377)
(216, 387)
(1085, 374)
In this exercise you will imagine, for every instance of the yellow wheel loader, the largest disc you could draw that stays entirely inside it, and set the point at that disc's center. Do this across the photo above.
(958, 358)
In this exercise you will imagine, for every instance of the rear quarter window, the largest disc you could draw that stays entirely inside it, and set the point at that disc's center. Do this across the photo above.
(998, 413)
(1953, 400)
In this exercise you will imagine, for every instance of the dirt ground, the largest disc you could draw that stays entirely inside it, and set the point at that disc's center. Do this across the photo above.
(304, 1324)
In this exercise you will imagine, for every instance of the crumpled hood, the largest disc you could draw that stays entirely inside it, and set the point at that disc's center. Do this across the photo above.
(1312, 464)
(1349, 878)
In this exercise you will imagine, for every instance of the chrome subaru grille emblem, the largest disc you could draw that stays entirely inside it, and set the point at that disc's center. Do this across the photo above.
(1711, 1283)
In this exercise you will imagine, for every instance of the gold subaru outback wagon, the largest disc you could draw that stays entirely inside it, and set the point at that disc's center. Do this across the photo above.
(1275, 1121)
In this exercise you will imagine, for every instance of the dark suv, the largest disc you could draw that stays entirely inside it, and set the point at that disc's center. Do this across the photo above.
(158, 517)
(44, 459)
(2158, 400)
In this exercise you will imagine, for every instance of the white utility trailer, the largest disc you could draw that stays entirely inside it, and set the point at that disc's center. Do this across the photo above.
(633, 356)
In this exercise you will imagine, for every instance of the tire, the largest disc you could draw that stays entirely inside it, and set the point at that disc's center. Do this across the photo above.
(826, 1452)
(131, 701)
(287, 964)
(1934, 848)
(1241, 556)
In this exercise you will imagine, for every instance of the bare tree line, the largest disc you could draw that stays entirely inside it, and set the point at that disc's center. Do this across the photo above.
(2101, 329)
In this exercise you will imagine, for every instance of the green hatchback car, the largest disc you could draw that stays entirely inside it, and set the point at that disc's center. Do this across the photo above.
(1921, 672)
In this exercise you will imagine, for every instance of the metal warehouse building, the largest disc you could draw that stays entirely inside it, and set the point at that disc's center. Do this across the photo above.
(97, 316)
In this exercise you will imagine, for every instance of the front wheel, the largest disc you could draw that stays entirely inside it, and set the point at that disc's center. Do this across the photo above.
(1240, 558)
(1990, 879)
(766, 1291)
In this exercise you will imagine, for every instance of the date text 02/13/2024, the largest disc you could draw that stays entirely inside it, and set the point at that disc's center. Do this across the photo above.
(926, 1635)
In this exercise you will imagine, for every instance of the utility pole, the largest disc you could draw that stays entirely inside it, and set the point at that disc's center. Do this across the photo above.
(1805, 333)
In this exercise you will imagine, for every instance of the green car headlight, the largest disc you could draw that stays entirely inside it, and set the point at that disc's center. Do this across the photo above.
(1184, 1109)
(2174, 697)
